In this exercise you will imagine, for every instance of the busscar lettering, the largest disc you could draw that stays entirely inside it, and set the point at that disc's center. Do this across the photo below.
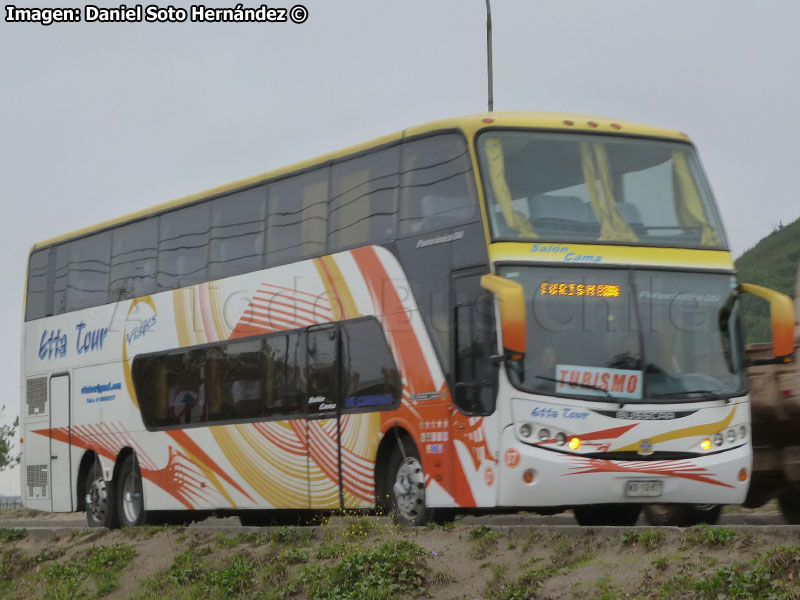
(645, 415)
(43, 16)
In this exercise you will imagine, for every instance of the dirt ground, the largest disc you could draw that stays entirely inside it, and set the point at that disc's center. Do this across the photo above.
(454, 561)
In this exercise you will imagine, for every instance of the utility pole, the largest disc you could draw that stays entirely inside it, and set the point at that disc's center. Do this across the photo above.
(489, 53)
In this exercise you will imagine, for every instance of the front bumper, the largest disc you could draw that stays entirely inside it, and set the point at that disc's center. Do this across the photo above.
(564, 479)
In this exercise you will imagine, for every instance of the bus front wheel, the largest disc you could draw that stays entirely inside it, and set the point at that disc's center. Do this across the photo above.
(130, 500)
(100, 501)
(406, 485)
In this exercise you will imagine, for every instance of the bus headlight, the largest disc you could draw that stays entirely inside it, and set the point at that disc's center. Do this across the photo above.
(718, 439)
(742, 432)
(731, 435)
(574, 443)
(706, 444)
(544, 435)
(561, 439)
(525, 430)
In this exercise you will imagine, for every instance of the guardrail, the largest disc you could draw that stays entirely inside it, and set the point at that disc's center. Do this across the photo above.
(10, 504)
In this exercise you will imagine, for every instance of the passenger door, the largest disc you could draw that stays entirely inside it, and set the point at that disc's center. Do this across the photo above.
(474, 341)
(322, 417)
(60, 467)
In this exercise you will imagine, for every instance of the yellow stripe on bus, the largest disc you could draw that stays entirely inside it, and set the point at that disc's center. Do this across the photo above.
(599, 254)
(677, 434)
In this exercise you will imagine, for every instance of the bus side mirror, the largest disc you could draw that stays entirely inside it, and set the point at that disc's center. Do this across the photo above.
(781, 313)
(513, 314)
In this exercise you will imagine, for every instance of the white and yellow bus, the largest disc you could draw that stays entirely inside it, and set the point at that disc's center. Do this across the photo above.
(494, 312)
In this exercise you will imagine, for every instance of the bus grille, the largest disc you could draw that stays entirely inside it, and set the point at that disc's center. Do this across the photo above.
(37, 481)
(36, 393)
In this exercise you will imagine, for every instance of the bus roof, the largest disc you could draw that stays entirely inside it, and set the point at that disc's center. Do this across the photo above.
(468, 124)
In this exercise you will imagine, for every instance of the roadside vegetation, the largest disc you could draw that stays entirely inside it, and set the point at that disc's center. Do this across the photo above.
(357, 557)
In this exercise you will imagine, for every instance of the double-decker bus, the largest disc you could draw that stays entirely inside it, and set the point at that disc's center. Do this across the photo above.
(495, 312)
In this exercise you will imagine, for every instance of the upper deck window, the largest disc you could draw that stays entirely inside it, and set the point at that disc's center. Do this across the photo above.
(436, 185)
(596, 188)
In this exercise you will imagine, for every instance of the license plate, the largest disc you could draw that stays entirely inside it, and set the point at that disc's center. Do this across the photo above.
(647, 487)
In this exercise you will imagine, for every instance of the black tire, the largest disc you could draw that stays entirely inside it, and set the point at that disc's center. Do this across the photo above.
(682, 515)
(405, 486)
(130, 497)
(623, 515)
(101, 504)
(790, 506)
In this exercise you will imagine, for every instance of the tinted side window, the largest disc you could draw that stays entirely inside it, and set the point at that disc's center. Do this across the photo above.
(238, 222)
(241, 380)
(286, 362)
(298, 211)
(322, 355)
(183, 247)
(37, 286)
(370, 375)
(363, 199)
(82, 268)
(171, 388)
(134, 252)
(437, 188)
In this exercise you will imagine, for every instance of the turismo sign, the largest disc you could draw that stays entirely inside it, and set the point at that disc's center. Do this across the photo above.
(577, 380)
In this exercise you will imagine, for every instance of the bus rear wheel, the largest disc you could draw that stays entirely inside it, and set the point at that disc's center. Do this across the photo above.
(406, 486)
(100, 501)
(130, 500)
(624, 515)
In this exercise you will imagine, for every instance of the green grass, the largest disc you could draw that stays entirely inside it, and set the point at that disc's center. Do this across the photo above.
(772, 575)
(484, 541)
(566, 554)
(523, 587)
(650, 539)
(92, 573)
(389, 570)
(8, 534)
(703, 535)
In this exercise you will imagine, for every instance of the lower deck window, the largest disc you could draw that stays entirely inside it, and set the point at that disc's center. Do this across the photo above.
(271, 376)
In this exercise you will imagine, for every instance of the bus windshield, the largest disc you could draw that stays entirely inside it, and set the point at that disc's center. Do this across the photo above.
(596, 188)
(631, 335)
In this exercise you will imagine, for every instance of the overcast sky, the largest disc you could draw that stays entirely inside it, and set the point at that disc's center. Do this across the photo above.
(100, 119)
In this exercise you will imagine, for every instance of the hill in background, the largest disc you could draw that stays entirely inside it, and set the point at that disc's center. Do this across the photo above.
(773, 263)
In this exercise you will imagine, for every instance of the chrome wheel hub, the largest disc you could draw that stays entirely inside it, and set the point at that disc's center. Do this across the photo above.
(132, 497)
(97, 499)
(409, 489)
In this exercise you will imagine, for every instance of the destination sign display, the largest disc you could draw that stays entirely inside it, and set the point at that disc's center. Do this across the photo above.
(597, 290)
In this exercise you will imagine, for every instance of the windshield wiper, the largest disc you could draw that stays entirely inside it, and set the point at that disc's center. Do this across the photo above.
(587, 386)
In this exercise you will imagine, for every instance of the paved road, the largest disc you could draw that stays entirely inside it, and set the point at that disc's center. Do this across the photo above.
(78, 520)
